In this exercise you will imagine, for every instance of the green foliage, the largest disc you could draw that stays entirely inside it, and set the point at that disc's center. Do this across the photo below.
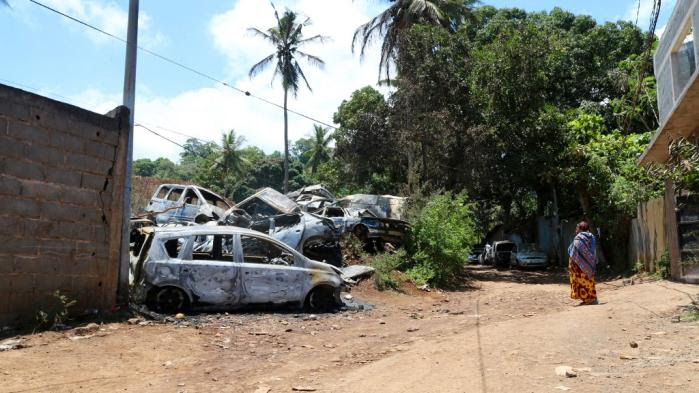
(440, 240)
(56, 311)
(353, 247)
(662, 268)
(386, 265)
(682, 166)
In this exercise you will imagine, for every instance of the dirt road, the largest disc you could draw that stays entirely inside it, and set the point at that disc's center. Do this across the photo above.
(508, 334)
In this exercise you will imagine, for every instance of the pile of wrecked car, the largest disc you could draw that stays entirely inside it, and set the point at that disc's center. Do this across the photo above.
(193, 247)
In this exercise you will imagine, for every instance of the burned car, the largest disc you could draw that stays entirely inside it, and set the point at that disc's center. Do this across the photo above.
(502, 254)
(312, 198)
(227, 267)
(529, 255)
(365, 225)
(273, 213)
(186, 203)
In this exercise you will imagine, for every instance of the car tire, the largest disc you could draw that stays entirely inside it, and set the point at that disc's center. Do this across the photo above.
(361, 232)
(321, 299)
(168, 300)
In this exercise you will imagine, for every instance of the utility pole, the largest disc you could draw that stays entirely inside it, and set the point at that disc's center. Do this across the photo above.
(129, 101)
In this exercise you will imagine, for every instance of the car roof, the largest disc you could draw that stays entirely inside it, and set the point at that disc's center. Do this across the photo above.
(207, 230)
(191, 185)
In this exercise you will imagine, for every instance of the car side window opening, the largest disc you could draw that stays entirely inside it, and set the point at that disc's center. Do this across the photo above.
(257, 207)
(213, 200)
(257, 250)
(163, 192)
(175, 194)
(174, 246)
(213, 248)
(191, 197)
(334, 212)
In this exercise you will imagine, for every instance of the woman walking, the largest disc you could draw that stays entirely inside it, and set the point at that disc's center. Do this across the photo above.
(582, 265)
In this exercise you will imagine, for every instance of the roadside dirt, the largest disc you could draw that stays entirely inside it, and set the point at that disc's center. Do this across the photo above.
(508, 333)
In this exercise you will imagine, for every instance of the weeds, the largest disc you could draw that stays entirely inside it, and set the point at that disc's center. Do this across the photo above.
(385, 265)
(662, 269)
(353, 247)
(57, 311)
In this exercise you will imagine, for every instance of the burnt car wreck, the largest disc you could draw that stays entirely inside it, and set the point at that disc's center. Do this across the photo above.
(193, 248)
(271, 212)
(371, 218)
(174, 268)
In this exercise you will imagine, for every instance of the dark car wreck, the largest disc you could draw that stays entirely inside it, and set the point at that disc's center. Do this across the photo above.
(365, 225)
(227, 267)
(271, 212)
(185, 203)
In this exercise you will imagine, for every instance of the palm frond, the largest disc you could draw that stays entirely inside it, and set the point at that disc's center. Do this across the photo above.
(320, 38)
(298, 69)
(313, 60)
(261, 65)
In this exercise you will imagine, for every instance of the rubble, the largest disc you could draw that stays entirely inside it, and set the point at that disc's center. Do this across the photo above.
(12, 343)
(566, 371)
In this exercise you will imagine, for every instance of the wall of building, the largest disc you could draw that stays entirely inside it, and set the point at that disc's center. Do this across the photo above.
(61, 190)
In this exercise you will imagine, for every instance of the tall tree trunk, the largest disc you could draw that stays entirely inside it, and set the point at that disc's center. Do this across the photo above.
(584, 199)
(286, 144)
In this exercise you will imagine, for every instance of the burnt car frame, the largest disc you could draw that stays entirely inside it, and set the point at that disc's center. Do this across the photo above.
(365, 225)
(227, 267)
(275, 214)
(185, 203)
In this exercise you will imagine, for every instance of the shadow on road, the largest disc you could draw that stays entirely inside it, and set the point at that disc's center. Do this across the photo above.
(529, 276)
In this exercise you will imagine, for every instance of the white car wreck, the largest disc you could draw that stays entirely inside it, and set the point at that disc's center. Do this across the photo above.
(227, 267)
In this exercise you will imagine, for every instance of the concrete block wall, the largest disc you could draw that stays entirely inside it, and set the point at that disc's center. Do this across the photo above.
(61, 186)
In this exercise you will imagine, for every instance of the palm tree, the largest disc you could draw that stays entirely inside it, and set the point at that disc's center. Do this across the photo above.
(401, 16)
(228, 158)
(287, 37)
(319, 150)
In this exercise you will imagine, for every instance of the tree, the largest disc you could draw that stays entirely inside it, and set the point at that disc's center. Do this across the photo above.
(400, 17)
(319, 151)
(229, 161)
(287, 38)
(143, 167)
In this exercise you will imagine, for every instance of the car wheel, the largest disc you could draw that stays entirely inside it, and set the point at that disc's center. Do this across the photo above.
(169, 300)
(321, 299)
(360, 232)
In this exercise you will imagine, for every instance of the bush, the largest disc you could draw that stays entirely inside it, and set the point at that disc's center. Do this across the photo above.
(385, 264)
(662, 269)
(440, 239)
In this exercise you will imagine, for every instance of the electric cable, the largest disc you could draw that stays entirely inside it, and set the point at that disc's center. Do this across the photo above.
(181, 65)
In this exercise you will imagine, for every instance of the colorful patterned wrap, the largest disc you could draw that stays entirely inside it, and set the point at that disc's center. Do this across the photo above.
(583, 252)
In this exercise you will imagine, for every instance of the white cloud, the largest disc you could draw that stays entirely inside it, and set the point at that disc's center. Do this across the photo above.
(645, 10)
(109, 17)
(208, 111)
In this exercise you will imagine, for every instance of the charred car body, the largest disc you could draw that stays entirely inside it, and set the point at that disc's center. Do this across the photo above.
(271, 212)
(365, 225)
(502, 254)
(372, 218)
(229, 267)
(185, 203)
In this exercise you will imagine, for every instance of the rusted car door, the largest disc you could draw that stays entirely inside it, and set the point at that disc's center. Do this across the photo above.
(270, 274)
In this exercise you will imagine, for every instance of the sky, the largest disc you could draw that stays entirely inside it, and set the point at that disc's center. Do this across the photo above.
(50, 55)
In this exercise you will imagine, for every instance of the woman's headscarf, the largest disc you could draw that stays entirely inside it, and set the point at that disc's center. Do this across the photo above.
(583, 252)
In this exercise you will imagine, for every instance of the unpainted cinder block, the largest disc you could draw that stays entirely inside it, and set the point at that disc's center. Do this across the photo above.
(41, 190)
(22, 169)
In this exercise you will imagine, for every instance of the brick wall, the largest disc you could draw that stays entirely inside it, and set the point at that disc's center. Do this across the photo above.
(61, 185)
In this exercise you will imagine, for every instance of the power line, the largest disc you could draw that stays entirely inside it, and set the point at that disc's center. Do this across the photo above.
(160, 135)
(86, 105)
(183, 66)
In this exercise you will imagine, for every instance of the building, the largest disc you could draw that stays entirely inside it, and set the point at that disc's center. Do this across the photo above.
(675, 64)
